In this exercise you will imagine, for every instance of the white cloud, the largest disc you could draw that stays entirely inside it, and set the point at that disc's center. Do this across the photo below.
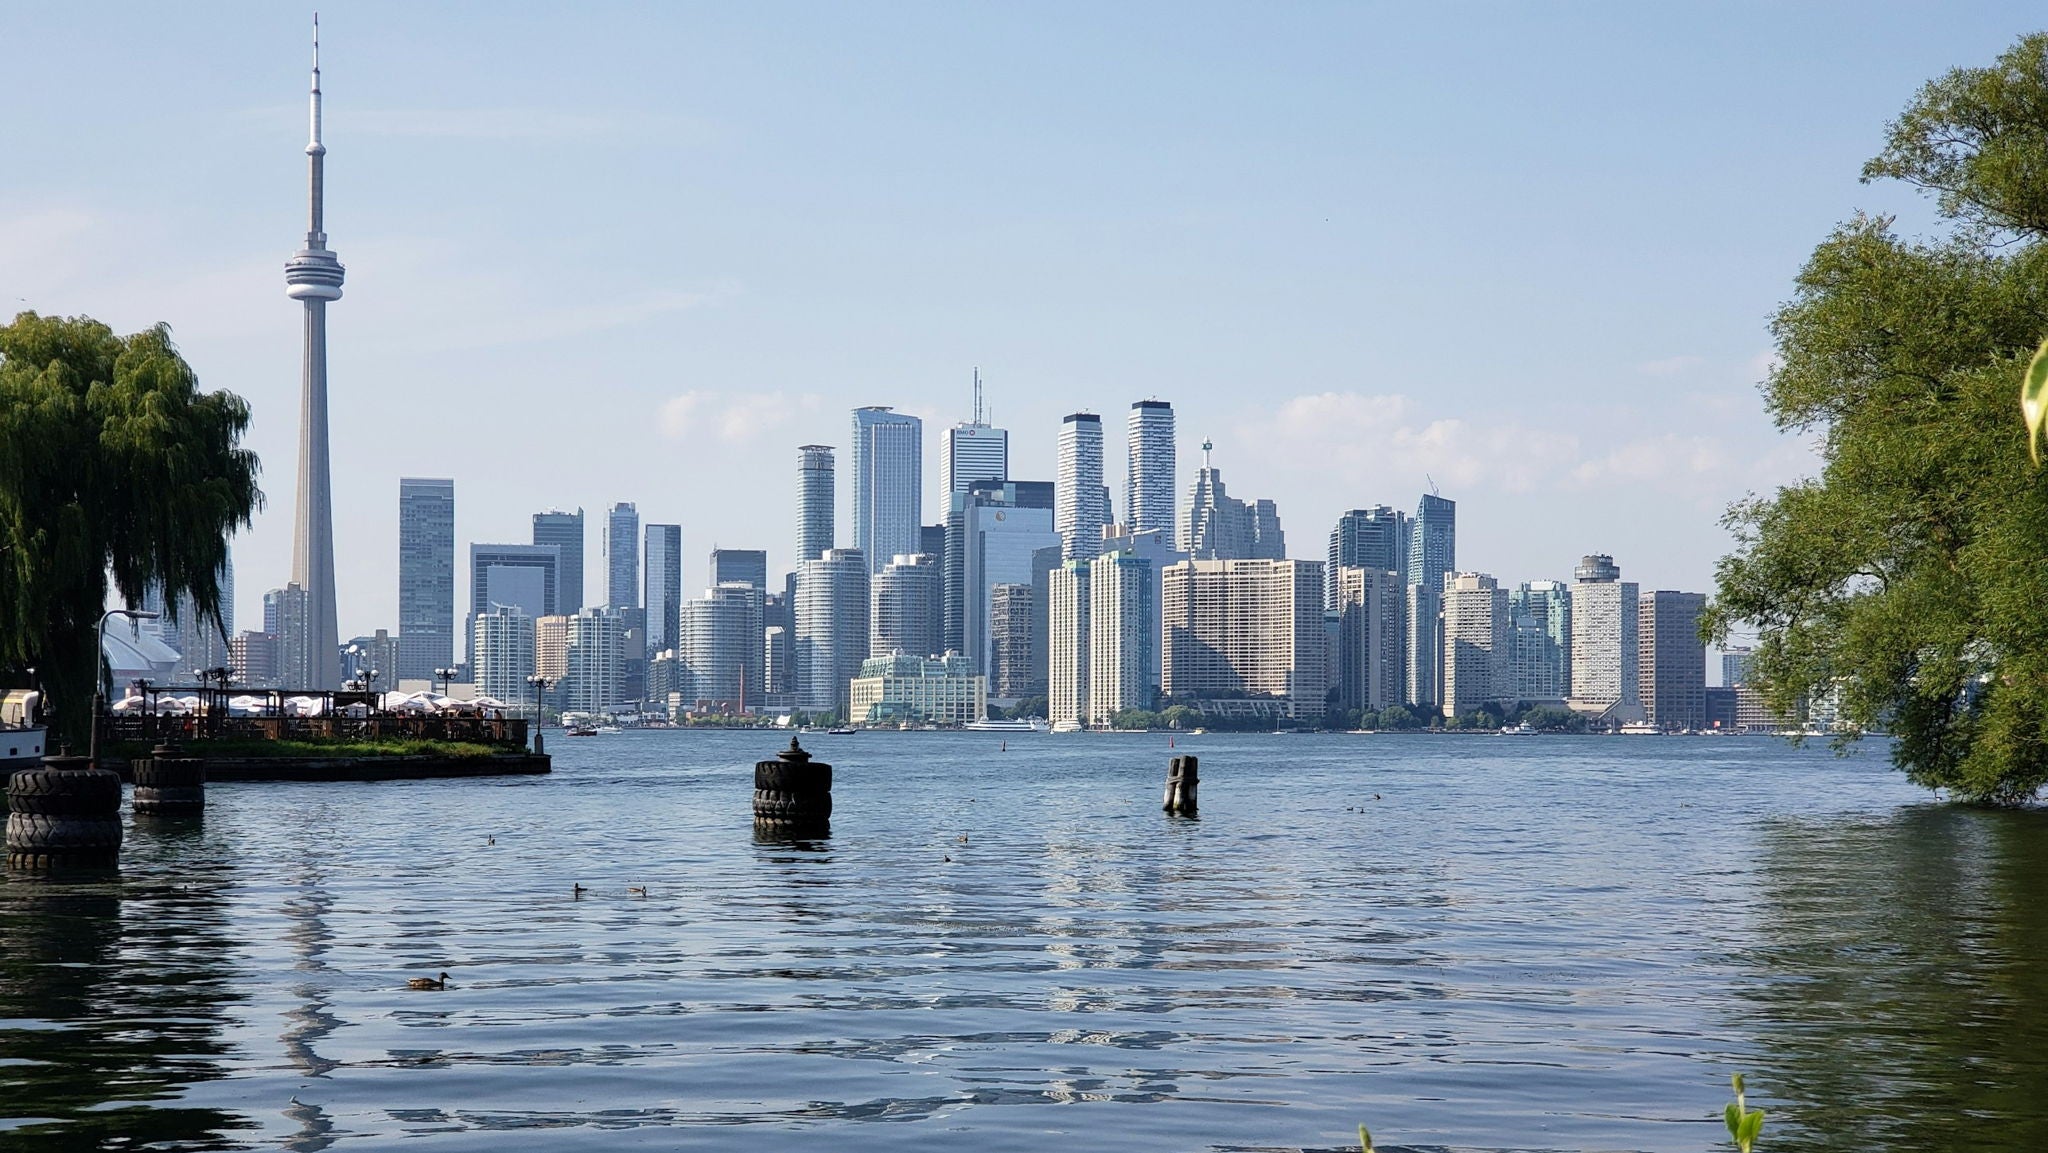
(734, 418)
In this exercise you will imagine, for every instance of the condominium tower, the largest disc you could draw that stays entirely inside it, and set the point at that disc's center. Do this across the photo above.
(908, 612)
(815, 489)
(1078, 513)
(664, 590)
(831, 627)
(1247, 627)
(1476, 643)
(1671, 661)
(426, 576)
(1604, 625)
(888, 483)
(1149, 481)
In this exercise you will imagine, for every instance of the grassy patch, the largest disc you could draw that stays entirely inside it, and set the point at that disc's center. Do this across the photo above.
(316, 750)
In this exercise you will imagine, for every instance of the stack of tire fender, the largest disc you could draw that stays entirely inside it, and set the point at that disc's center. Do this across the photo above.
(167, 784)
(792, 795)
(65, 815)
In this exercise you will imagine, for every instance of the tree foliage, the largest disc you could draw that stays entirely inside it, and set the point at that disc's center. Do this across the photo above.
(113, 467)
(1910, 576)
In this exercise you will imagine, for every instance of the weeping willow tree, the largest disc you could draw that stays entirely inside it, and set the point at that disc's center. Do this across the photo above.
(114, 467)
(1909, 580)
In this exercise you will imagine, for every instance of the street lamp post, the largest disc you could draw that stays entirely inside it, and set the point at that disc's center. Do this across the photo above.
(540, 685)
(447, 678)
(99, 690)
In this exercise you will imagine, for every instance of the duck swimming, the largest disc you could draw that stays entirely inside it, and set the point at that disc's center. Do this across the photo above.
(428, 982)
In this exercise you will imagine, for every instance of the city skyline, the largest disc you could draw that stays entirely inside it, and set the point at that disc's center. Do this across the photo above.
(1648, 434)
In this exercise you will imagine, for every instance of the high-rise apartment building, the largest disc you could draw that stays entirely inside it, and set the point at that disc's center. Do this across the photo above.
(1218, 526)
(594, 677)
(551, 649)
(426, 576)
(525, 575)
(1068, 664)
(724, 648)
(622, 557)
(1012, 644)
(284, 616)
(1671, 661)
(1433, 542)
(1542, 616)
(564, 531)
(504, 648)
(1237, 627)
(1370, 666)
(1149, 481)
(1372, 538)
(748, 566)
(908, 613)
(993, 532)
(253, 660)
(1422, 621)
(815, 493)
(1078, 514)
(1604, 652)
(888, 483)
(831, 627)
(1123, 636)
(664, 595)
(1476, 643)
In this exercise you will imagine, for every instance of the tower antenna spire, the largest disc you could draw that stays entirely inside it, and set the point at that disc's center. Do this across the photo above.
(977, 394)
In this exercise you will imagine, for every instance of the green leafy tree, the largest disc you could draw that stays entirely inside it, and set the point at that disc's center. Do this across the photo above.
(1908, 577)
(113, 467)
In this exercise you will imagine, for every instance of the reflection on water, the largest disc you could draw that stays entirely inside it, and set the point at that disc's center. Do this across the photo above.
(1471, 944)
(1904, 994)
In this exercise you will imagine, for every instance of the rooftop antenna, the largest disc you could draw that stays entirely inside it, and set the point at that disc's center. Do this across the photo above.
(1207, 444)
(977, 394)
(1432, 485)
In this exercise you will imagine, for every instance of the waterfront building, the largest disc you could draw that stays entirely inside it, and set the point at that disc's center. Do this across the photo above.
(908, 612)
(1671, 659)
(1068, 666)
(1735, 661)
(1372, 538)
(504, 648)
(426, 576)
(723, 647)
(1155, 547)
(1422, 618)
(287, 616)
(831, 627)
(1433, 541)
(1237, 627)
(1604, 650)
(595, 662)
(902, 689)
(993, 532)
(526, 575)
(1476, 643)
(815, 493)
(1078, 512)
(373, 653)
(253, 659)
(1123, 636)
(1149, 478)
(748, 566)
(974, 451)
(622, 557)
(1370, 666)
(1012, 663)
(668, 680)
(313, 276)
(563, 531)
(1218, 526)
(551, 649)
(1541, 612)
(888, 483)
(664, 594)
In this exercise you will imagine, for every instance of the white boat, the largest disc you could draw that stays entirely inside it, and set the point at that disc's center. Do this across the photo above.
(23, 739)
(1523, 729)
(986, 726)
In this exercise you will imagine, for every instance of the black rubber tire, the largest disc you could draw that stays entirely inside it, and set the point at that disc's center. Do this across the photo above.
(65, 793)
(782, 805)
(59, 862)
(147, 798)
(36, 833)
(784, 776)
(170, 773)
(778, 831)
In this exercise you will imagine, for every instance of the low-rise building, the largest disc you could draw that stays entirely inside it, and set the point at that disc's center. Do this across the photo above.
(904, 689)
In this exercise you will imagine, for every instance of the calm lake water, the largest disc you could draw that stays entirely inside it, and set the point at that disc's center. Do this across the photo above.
(1470, 943)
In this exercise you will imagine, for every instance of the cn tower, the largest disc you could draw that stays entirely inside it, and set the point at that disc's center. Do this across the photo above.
(313, 276)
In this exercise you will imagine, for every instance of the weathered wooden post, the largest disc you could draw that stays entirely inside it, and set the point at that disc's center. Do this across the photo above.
(1181, 779)
(66, 814)
(793, 795)
(167, 784)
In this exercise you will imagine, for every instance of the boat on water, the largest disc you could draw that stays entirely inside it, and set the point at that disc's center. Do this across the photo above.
(986, 726)
(1524, 729)
(841, 732)
(581, 731)
(608, 730)
(23, 738)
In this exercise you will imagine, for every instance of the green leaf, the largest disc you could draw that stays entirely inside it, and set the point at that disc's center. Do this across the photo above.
(1364, 1140)
(1733, 1115)
(2034, 400)
(1752, 1126)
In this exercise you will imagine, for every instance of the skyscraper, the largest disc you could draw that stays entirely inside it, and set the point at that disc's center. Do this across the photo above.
(1476, 643)
(1219, 526)
(664, 586)
(524, 575)
(595, 662)
(1542, 612)
(888, 483)
(831, 627)
(1604, 653)
(748, 566)
(999, 527)
(724, 646)
(1123, 635)
(975, 450)
(1149, 482)
(1433, 542)
(1373, 538)
(814, 497)
(503, 645)
(1012, 643)
(287, 615)
(1422, 620)
(563, 530)
(1370, 673)
(1078, 514)
(313, 276)
(1068, 665)
(1238, 628)
(1671, 662)
(426, 576)
(907, 616)
(622, 557)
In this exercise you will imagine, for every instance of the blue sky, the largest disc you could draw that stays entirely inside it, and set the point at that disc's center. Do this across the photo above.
(643, 252)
